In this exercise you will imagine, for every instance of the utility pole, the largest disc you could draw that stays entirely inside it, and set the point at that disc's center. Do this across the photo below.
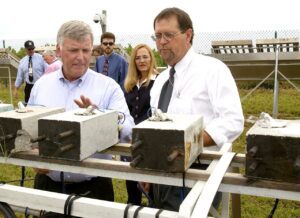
(101, 19)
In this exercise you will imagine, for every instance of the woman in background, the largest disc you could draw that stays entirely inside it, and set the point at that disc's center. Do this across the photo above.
(138, 83)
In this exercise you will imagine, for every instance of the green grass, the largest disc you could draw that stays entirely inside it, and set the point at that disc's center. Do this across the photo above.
(260, 101)
(288, 108)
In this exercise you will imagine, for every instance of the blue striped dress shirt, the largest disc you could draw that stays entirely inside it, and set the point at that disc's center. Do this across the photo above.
(53, 90)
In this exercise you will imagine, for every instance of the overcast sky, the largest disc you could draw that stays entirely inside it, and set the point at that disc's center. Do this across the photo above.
(31, 19)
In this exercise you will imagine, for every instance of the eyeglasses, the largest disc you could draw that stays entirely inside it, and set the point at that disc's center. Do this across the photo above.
(167, 36)
(108, 43)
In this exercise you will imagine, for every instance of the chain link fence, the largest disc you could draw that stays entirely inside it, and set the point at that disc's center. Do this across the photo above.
(202, 40)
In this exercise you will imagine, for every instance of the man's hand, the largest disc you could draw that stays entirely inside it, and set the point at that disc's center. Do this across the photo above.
(207, 140)
(83, 102)
(145, 186)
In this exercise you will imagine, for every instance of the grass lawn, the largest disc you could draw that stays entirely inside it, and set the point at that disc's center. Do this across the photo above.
(260, 101)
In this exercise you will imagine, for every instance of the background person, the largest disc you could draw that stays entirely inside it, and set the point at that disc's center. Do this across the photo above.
(201, 85)
(137, 86)
(110, 63)
(30, 69)
(76, 81)
(53, 62)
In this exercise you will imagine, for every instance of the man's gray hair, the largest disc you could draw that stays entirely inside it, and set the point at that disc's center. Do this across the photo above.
(75, 30)
(49, 52)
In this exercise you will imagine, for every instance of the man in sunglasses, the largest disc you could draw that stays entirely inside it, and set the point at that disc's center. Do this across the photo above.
(110, 63)
(30, 69)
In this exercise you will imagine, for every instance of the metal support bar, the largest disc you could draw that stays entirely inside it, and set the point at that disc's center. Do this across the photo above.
(258, 85)
(276, 85)
(211, 187)
(82, 207)
(231, 183)
(187, 206)
(289, 81)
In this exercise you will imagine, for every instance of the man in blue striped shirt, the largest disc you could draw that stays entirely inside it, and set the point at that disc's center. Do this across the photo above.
(73, 86)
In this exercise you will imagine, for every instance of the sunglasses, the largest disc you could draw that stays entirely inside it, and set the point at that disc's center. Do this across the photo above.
(107, 43)
(30, 49)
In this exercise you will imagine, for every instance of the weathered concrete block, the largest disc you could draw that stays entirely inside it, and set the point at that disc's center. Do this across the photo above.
(169, 146)
(76, 137)
(274, 153)
(12, 121)
(6, 107)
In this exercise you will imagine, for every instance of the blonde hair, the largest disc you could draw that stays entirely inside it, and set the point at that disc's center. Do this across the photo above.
(133, 74)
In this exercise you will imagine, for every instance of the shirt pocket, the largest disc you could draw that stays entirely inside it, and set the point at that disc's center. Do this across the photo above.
(180, 106)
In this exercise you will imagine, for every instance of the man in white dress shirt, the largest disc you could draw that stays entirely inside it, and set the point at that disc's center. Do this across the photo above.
(202, 85)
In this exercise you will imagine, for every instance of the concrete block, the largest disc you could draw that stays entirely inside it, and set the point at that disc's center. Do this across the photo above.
(76, 137)
(274, 153)
(12, 121)
(169, 146)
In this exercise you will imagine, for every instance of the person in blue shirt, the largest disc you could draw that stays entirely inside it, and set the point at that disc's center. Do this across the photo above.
(110, 63)
(72, 86)
(31, 68)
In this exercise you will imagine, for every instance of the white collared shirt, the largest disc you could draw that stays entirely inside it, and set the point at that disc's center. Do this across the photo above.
(139, 84)
(204, 85)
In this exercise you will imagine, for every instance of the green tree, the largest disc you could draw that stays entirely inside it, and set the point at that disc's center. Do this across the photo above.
(128, 49)
(21, 53)
(159, 60)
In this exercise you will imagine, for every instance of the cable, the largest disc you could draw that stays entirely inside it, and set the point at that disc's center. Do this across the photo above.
(42, 213)
(136, 212)
(17, 180)
(62, 179)
(120, 121)
(126, 210)
(26, 213)
(183, 187)
(158, 213)
(6, 210)
(22, 176)
(69, 203)
(274, 208)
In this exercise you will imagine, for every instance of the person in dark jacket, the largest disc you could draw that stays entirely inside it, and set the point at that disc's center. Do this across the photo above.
(138, 83)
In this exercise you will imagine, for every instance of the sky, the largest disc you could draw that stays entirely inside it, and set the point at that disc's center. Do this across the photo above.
(34, 19)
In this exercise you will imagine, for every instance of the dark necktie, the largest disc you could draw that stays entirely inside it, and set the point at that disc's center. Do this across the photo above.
(30, 69)
(105, 67)
(166, 92)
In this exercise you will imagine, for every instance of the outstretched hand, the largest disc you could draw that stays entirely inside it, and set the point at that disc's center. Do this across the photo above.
(83, 102)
